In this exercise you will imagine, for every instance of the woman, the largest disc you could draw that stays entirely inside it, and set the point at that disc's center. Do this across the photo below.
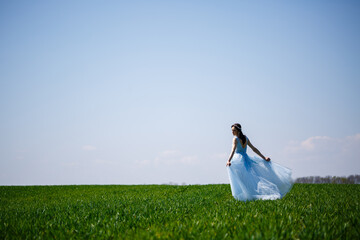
(254, 178)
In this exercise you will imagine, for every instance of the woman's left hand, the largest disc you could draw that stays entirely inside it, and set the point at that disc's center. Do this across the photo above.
(228, 163)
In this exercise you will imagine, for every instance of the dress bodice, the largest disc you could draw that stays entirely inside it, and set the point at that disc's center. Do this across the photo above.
(241, 148)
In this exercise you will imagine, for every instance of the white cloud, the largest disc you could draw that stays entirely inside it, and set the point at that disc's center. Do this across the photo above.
(323, 155)
(88, 148)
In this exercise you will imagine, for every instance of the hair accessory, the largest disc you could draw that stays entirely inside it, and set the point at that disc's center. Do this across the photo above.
(237, 126)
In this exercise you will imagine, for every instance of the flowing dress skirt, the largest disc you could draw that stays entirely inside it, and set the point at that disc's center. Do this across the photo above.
(253, 178)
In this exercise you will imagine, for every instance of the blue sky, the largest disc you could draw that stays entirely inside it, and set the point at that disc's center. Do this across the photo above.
(134, 92)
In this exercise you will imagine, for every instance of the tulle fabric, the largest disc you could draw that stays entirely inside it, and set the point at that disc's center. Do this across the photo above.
(253, 178)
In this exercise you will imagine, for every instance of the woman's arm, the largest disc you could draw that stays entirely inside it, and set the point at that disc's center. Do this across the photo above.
(232, 152)
(257, 151)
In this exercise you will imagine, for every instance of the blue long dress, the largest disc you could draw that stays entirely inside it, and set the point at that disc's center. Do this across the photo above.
(253, 178)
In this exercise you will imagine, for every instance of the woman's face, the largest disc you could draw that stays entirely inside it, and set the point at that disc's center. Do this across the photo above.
(234, 131)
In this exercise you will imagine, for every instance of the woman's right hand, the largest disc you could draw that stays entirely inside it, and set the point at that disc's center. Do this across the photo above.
(228, 163)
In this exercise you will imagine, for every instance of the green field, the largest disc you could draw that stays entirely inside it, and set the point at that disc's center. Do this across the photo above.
(309, 211)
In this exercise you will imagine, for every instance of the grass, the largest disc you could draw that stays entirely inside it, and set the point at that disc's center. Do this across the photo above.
(309, 211)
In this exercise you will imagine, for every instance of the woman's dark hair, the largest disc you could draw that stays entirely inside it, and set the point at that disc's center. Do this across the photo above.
(241, 135)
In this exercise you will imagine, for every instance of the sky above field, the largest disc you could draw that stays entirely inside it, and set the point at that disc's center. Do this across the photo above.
(145, 92)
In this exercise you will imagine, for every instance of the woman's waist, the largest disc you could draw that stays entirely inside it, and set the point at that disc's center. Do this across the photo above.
(241, 153)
